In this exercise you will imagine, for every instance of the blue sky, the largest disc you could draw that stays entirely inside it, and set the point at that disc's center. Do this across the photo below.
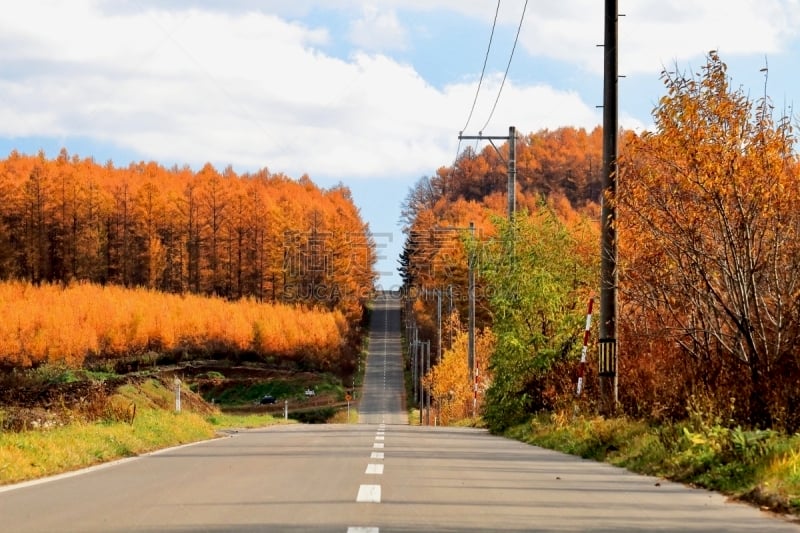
(370, 94)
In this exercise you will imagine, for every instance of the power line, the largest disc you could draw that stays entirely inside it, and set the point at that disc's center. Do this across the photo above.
(483, 70)
(521, 19)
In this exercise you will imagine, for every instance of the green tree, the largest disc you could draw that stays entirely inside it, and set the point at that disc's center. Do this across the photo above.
(538, 280)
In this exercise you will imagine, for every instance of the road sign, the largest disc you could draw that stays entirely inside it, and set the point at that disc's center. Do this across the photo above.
(348, 397)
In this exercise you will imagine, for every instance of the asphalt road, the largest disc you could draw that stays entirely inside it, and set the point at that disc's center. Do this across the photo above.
(383, 394)
(375, 477)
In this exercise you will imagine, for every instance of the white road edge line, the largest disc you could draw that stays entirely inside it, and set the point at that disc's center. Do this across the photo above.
(101, 466)
(369, 494)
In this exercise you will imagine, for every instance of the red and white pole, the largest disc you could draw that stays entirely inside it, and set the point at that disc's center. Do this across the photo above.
(582, 367)
(475, 394)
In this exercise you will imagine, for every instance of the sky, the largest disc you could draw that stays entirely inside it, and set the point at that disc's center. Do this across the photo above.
(371, 94)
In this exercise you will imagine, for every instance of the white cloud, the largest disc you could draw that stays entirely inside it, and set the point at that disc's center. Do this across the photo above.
(534, 107)
(246, 89)
(251, 89)
(656, 33)
(378, 30)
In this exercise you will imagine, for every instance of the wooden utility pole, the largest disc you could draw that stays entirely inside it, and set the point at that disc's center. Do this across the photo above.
(438, 326)
(511, 164)
(512, 172)
(430, 389)
(471, 264)
(608, 247)
(471, 312)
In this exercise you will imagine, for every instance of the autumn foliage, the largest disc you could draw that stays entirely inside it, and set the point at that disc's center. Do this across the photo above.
(709, 261)
(560, 167)
(258, 235)
(555, 169)
(710, 241)
(84, 322)
(448, 381)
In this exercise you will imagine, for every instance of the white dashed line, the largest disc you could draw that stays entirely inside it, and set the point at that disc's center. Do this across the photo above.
(373, 468)
(379, 437)
(376, 455)
(378, 445)
(363, 530)
(369, 494)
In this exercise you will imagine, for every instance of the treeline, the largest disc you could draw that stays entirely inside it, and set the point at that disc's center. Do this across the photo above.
(556, 169)
(533, 276)
(709, 311)
(175, 230)
(563, 162)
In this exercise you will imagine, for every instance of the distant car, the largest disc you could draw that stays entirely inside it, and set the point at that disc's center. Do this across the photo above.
(310, 392)
(267, 399)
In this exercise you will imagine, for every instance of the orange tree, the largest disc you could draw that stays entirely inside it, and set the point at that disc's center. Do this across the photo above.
(449, 382)
(710, 244)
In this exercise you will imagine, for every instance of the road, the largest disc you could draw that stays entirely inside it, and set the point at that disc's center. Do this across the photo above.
(383, 399)
(374, 477)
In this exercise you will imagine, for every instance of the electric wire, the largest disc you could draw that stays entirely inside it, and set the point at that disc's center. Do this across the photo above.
(483, 70)
(508, 67)
(480, 82)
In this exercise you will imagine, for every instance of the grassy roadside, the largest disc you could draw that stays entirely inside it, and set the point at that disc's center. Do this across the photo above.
(761, 467)
(121, 432)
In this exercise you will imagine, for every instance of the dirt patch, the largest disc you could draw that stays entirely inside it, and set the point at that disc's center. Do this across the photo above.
(26, 404)
(56, 395)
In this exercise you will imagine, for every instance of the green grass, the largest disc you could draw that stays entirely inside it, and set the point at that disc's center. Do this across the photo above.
(33, 454)
(340, 417)
(38, 453)
(231, 421)
(239, 394)
(758, 466)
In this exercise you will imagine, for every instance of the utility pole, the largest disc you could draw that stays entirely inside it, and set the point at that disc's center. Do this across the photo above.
(449, 315)
(511, 164)
(421, 373)
(512, 172)
(471, 260)
(608, 248)
(430, 391)
(439, 326)
(414, 352)
(471, 296)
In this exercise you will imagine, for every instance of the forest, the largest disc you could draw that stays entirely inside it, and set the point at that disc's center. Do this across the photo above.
(709, 293)
(71, 230)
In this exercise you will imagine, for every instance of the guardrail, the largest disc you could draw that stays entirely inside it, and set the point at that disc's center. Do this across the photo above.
(279, 406)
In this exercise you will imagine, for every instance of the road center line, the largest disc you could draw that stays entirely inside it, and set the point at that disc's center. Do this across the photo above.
(376, 455)
(379, 437)
(374, 468)
(369, 494)
(363, 530)
(378, 445)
